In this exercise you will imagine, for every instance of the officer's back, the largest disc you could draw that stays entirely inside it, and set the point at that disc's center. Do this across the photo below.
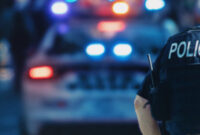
(180, 65)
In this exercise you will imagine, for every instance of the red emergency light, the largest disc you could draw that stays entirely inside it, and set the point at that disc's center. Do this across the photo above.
(41, 72)
(111, 26)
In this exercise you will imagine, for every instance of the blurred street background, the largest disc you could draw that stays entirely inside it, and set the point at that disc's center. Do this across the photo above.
(73, 67)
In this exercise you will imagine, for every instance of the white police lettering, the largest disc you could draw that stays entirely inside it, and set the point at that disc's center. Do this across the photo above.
(196, 47)
(179, 53)
(184, 49)
(199, 51)
(188, 50)
(172, 49)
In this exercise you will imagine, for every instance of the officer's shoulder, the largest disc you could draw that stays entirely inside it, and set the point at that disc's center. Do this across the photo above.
(185, 32)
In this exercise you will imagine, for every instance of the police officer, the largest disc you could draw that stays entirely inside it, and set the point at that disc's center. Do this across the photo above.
(177, 97)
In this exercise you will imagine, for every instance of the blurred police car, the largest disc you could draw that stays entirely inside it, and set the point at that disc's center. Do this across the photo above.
(87, 68)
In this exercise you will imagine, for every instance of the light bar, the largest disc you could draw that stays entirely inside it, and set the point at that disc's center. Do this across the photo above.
(41, 72)
(120, 8)
(122, 49)
(95, 49)
(154, 4)
(59, 8)
(111, 26)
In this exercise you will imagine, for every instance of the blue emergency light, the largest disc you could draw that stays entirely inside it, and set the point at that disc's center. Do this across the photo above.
(59, 8)
(154, 4)
(122, 50)
(95, 49)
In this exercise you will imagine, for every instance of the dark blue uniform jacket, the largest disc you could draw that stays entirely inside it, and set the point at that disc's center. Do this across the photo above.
(179, 65)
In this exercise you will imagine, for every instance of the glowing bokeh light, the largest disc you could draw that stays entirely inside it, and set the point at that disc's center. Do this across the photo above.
(111, 26)
(41, 72)
(59, 8)
(154, 4)
(71, 1)
(120, 8)
(95, 49)
(122, 49)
